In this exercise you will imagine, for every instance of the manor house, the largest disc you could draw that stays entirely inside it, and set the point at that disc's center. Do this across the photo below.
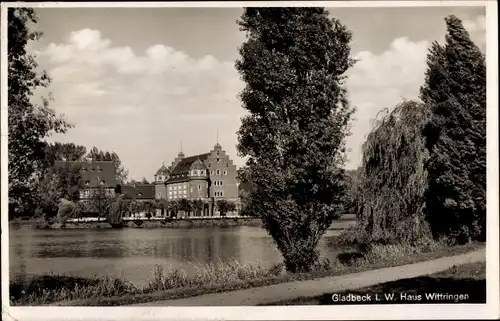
(208, 177)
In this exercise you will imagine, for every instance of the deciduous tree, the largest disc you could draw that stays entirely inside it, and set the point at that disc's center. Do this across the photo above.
(198, 207)
(29, 123)
(99, 155)
(294, 63)
(393, 180)
(224, 207)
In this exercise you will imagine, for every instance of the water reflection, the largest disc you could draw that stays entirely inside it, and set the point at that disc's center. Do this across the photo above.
(133, 253)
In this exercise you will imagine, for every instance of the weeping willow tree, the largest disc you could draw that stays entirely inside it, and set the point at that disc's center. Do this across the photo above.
(393, 179)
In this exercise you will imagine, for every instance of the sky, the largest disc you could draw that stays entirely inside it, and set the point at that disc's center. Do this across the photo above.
(145, 81)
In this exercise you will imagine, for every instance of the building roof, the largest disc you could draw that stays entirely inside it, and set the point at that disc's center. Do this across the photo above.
(93, 172)
(184, 165)
(198, 164)
(163, 170)
(139, 191)
(178, 179)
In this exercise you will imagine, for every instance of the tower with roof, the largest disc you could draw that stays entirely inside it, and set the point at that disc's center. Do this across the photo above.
(161, 176)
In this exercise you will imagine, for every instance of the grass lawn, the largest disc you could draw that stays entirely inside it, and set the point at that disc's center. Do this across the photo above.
(467, 280)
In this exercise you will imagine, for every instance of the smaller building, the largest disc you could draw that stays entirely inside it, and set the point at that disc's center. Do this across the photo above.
(141, 193)
(96, 177)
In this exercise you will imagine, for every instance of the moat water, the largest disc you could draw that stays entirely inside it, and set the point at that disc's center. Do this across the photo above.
(133, 253)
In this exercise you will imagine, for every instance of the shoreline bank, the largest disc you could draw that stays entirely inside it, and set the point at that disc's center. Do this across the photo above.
(346, 221)
(144, 223)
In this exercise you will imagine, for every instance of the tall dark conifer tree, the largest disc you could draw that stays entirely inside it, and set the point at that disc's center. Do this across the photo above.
(455, 91)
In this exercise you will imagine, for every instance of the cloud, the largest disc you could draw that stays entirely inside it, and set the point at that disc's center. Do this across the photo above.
(476, 25)
(382, 81)
(142, 105)
(477, 29)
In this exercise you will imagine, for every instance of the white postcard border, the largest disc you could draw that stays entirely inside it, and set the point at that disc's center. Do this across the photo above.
(414, 311)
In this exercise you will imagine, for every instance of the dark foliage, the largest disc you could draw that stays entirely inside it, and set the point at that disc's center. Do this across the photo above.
(29, 123)
(99, 155)
(455, 91)
(293, 63)
(224, 207)
(392, 180)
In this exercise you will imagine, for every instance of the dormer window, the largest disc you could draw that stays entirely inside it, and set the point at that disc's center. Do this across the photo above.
(140, 194)
(102, 182)
(87, 183)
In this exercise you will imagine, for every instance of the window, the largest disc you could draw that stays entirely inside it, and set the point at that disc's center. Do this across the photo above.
(218, 160)
(99, 169)
(102, 182)
(91, 169)
(221, 183)
(184, 186)
(84, 169)
(218, 172)
(87, 183)
(191, 189)
(211, 172)
(199, 187)
(217, 153)
(202, 172)
(195, 173)
(184, 192)
(169, 193)
(225, 172)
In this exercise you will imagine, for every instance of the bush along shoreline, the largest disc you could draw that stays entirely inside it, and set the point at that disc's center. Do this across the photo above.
(212, 278)
(149, 223)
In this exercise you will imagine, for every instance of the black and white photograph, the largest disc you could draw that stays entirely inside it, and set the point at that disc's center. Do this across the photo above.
(250, 156)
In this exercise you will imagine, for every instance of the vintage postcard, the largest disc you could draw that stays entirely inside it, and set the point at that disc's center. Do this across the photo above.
(250, 160)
